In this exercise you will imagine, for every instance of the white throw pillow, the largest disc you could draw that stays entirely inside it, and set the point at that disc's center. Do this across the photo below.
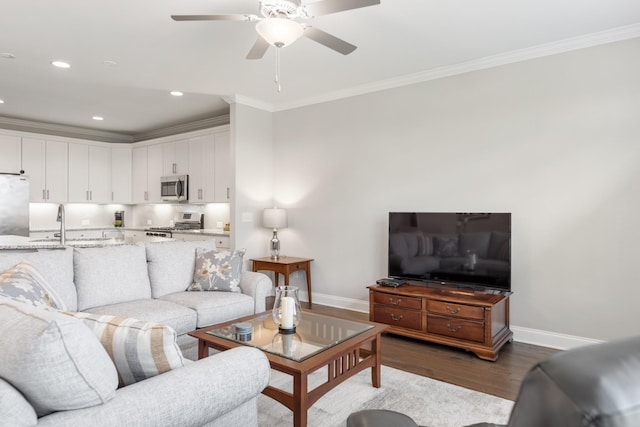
(138, 349)
(53, 359)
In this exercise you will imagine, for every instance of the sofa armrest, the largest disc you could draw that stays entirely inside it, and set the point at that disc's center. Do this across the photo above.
(258, 286)
(193, 395)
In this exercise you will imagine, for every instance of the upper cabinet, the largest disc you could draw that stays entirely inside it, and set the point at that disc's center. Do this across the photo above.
(121, 171)
(89, 173)
(175, 157)
(222, 168)
(139, 175)
(46, 165)
(10, 160)
(201, 175)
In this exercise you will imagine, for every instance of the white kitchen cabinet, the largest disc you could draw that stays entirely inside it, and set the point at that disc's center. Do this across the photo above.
(10, 160)
(201, 175)
(139, 175)
(222, 242)
(175, 157)
(46, 165)
(222, 168)
(89, 173)
(121, 171)
(154, 172)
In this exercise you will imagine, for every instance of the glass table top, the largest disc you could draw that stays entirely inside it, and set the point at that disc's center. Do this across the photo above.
(314, 334)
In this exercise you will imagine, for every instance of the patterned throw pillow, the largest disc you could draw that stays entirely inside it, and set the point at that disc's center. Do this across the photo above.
(217, 271)
(25, 284)
(138, 349)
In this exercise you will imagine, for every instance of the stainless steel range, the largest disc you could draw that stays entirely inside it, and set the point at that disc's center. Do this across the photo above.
(189, 221)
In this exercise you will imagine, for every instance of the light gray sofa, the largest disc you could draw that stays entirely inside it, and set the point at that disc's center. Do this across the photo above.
(148, 282)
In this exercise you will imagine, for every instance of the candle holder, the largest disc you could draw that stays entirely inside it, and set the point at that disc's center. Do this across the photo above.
(286, 309)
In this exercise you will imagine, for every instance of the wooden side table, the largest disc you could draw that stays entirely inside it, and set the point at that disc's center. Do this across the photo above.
(285, 265)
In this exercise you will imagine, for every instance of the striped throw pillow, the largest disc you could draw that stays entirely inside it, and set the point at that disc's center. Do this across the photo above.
(139, 349)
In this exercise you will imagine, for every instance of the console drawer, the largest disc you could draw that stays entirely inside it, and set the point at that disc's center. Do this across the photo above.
(456, 328)
(397, 317)
(397, 300)
(457, 310)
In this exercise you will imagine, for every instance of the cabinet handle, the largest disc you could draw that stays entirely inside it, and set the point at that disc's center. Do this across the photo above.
(453, 329)
(452, 310)
(228, 197)
(47, 194)
(86, 195)
(44, 194)
(146, 195)
(394, 318)
(112, 196)
(173, 167)
(396, 302)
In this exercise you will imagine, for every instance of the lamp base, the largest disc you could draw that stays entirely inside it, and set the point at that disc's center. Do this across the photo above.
(275, 246)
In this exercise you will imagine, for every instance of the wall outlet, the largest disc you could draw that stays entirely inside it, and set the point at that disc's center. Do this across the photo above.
(149, 222)
(219, 224)
(85, 222)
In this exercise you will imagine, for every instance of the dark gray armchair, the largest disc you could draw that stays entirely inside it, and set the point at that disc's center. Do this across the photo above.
(592, 386)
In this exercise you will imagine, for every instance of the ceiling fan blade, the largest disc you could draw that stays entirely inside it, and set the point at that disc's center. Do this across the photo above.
(214, 17)
(332, 6)
(326, 39)
(259, 48)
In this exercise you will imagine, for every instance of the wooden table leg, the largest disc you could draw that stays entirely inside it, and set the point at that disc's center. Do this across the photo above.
(375, 369)
(203, 349)
(300, 400)
(308, 270)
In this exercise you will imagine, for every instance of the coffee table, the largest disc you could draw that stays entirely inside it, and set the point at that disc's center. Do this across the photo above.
(344, 346)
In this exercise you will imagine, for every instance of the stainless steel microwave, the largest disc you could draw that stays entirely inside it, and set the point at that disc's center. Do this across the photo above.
(174, 188)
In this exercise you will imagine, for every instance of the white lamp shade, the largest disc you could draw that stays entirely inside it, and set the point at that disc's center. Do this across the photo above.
(279, 32)
(274, 218)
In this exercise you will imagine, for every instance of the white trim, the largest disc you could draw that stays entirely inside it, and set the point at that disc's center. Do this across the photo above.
(520, 334)
(550, 339)
(547, 49)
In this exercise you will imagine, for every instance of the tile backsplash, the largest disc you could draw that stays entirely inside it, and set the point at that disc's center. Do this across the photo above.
(42, 216)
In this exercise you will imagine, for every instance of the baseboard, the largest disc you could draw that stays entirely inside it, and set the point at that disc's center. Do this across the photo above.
(550, 339)
(520, 334)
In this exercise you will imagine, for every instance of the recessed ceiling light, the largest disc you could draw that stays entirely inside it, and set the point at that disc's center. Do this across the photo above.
(109, 63)
(98, 118)
(1, 101)
(176, 93)
(7, 55)
(61, 64)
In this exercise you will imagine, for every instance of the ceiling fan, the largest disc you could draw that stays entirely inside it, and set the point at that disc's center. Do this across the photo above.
(278, 25)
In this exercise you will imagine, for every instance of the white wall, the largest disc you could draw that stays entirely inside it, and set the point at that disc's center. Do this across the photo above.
(554, 140)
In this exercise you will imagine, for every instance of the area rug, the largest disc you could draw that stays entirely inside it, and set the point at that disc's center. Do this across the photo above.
(429, 402)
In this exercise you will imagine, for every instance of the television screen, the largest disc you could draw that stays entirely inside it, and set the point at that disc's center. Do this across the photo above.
(463, 249)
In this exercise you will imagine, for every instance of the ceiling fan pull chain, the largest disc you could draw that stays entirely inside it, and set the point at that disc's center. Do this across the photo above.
(278, 69)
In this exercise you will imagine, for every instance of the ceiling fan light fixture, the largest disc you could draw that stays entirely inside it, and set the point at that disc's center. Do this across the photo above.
(279, 32)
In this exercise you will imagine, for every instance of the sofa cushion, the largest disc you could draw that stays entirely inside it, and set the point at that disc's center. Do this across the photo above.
(110, 275)
(138, 349)
(171, 264)
(180, 318)
(15, 409)
(56, 266)
(214, 307)
(217, 271)
(25, 284)
(53, 360)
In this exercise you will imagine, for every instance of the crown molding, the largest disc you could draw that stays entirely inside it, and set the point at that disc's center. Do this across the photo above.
(63, 130)
(547, 49)
(250, 102)
(183, 128)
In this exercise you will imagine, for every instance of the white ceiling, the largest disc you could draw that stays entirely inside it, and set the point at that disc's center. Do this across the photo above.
(399, 41)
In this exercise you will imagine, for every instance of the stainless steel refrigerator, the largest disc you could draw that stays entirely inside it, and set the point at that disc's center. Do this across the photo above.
(14, 205)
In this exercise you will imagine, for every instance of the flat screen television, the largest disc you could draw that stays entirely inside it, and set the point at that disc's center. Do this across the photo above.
(451, 248)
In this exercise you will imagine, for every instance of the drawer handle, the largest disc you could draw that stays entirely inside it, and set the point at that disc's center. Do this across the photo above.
(394, 318)
(453, 329)
(396, 302)
(452, 310)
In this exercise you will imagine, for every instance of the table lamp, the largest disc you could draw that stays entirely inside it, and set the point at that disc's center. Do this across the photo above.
(274, 218)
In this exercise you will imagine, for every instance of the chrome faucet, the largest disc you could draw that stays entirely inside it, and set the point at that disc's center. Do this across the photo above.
(60, 219)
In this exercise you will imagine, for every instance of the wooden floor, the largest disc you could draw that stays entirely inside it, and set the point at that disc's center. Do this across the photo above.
(501, 378)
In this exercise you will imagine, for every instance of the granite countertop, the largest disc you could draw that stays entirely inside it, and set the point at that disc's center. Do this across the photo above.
(206, 231)
(25, 243)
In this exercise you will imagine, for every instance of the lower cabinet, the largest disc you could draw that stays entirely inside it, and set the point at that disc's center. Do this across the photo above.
(475, 321)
